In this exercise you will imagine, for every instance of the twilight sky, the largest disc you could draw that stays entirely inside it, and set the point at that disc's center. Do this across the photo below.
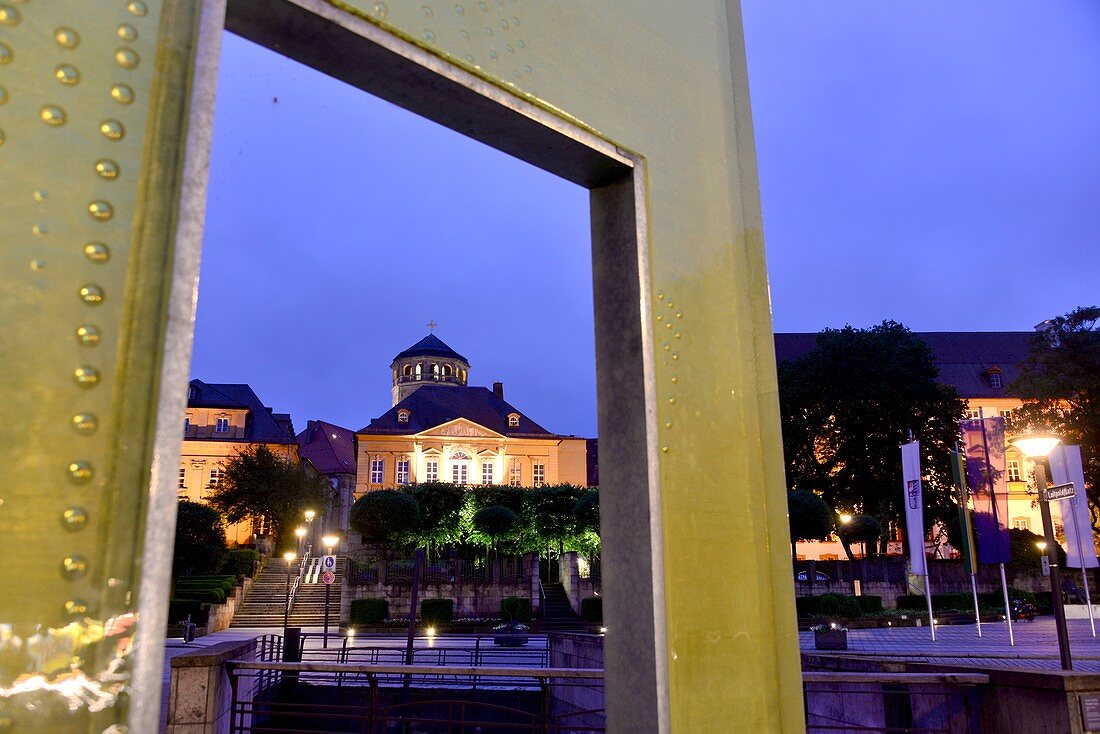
(911, 153)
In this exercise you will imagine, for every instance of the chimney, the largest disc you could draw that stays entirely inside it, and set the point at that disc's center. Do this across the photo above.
(498, 389)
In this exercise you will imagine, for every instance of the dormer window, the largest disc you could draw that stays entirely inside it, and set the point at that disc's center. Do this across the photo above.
(513, 420)
(402, 416)
(191, 393)
(221, 425)
(994, 375)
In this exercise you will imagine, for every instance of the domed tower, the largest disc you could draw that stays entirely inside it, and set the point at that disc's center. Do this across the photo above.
(428, 362)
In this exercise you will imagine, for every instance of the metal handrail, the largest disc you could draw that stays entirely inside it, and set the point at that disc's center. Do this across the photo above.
(297, 582)
(420, 670)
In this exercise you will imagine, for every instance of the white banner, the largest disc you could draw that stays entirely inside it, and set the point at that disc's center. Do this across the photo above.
(914, 506)
(1065, 466)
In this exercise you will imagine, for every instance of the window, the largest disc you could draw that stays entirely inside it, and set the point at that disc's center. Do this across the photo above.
(1006, 414)
(446, 370)
(408, 370)
(377, 469)
(186, 424)
(403, 470)
(216, 477)
(431, 470)
(538, 474)
(1014, 470)
(183, 479)
(419, 370)
(191, 393)
(515, 473)
(1021, 523)
(995, 379)
(973, 414)
(402, 416)
(460, 472)
(513, 420)
(221, 425)
(486, 472)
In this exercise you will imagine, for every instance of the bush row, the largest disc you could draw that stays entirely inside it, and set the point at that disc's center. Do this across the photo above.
(441, 611)
(965, 602)
(838, 605)
(178, 609)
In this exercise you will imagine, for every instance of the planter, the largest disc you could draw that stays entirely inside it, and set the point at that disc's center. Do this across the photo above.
(510, 639)
(831, 639)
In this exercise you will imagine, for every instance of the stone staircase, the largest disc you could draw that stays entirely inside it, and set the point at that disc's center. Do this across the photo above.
(558, 614)
(263, 606)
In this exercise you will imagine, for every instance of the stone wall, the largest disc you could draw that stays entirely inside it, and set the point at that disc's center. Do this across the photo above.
(220, 616)
(576, 586)
(577, 702)
(199, 693)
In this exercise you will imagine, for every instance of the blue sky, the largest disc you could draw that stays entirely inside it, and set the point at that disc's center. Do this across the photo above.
(911, 155)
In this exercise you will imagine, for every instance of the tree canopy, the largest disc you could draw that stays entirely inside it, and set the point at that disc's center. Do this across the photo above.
(1059, 382)
(200, 539)
(809, 516)
(848, 405)
(385, 515)
(257, 483)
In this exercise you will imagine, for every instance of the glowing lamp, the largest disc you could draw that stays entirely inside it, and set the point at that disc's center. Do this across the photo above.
(1035, 446)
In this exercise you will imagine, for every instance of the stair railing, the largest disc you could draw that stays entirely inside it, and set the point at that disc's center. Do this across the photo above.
(542, 600)
(297, 581)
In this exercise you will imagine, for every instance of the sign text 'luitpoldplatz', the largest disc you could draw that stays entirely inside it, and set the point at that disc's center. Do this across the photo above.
(1060, 492)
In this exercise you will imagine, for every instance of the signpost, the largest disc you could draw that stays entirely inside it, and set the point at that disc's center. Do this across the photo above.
(328, 577)
(1060, 492)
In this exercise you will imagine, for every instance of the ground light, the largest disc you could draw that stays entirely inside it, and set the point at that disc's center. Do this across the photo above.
(1035, 447)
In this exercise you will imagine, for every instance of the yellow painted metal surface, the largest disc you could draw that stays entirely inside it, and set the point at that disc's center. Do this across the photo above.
(91, 120)
(91, 117)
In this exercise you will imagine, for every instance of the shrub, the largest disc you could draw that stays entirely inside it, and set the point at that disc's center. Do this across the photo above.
(225, 587)
(870, 604)
(829, 605)
(239, 562)
(207, 596)
(832, 605)
(515, 609)
(592, 609)
(368, 611)
(807, 606)
(178, 609)
(849, 606)
(437, 611)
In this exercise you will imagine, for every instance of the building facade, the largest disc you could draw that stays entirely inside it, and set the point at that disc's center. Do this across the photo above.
(440, 429)
(981, 366)
(221, 421)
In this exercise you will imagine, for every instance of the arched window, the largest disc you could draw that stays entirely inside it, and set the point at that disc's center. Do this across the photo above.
(513, 420)
(419, 370)
(402, 416)
(446, 370)
(460, 468)
(435, 369)
(408, 370)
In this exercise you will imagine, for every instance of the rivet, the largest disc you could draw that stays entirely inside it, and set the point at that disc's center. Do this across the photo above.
(88, 335)
(76, 607)
(380, 9)
(660, 317)
(675, 356)
(668, 325)
(101, 210)
(107, 169)
(86, 376)
(40, 195)
(664, 449)
(670, 303)
(137, 8)
(112, 129)
(6, 54)
(37, 264)
(668, 424)
(67, 74)
(672, 401)
(85, 423)
(429, 36)
(660, 295)
(91, 294)
(73, 567)
(97, 252)
(675, 379)
(40, 229)
(127, 58)
(122, 93)
(3, 96)
(679, 314)
(80, 471)
(2, 138)
(52, 115)
(127, 32)
(676, 335)
(666, 346)
(66, 38)
(428, 12)
(9, 15)
(74, 518)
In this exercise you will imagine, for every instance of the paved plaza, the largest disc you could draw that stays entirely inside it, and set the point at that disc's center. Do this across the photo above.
(1036, 644)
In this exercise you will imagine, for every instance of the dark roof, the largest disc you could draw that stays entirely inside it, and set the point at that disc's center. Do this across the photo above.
(431, 346)
(964, 358)
(330, 448)
(261, 425)
(434, 405)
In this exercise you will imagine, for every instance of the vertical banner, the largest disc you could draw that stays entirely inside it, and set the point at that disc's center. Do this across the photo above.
(984, 444)
(958, 470)
(914, 506)
(1065, 466)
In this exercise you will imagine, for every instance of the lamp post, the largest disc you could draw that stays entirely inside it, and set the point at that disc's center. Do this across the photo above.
(299, 533)
(1038, 447)
(1044, 565)
(329, 542)
(310, 514)
(289, 556)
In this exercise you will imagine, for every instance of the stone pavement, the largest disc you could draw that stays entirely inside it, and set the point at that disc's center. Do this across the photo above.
(1036, 645)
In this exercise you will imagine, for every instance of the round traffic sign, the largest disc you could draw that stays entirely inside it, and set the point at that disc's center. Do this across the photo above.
(328, 577)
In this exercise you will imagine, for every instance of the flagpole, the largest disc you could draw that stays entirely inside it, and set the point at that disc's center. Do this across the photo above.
(1088, 597)
(1008, 607)
(928, 598)
(977, 613)
(1074, 516)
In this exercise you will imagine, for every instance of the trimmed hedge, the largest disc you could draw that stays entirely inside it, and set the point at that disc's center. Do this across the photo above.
(870, 604)
(369, 611)
(226, 587)
(592, 609)
(837, 605)
(964, 601)
(207, 596)
(437, 611)
(178, 609)
(515, 609)
(239, 562)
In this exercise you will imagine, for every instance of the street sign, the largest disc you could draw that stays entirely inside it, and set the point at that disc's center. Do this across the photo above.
(328, 563)
(1060, 492)
(328, 577)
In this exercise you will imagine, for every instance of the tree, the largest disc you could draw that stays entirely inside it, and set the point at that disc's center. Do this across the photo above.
(440, 511)
(1059, 382)
(257, 483)
(810, 517)
(385, 515)
(550, 512)
(586, 512)
(200, 539)
(860, 529)
(850, 403)
(494, 521)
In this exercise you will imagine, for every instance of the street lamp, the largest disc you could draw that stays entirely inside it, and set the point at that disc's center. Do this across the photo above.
(1038, 447)
(310, 514)
(299, 533)
(289, 556)
(329, 542)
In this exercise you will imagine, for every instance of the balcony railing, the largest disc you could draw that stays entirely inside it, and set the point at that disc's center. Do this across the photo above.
(428, 377)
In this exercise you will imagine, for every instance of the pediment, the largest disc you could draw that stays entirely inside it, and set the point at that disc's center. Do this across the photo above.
(460, 428)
